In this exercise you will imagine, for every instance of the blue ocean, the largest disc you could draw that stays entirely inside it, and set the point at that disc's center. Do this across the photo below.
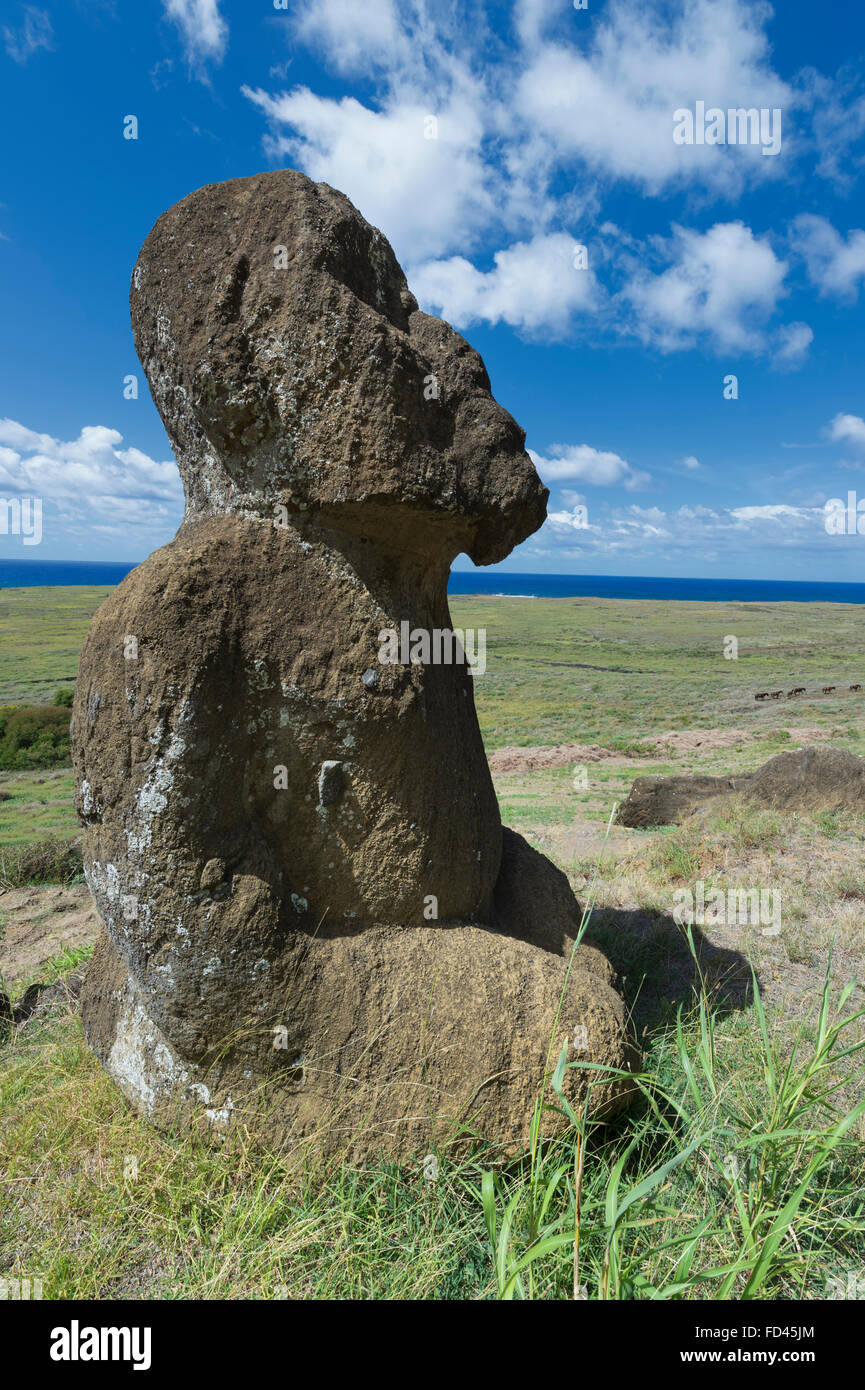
(715, 590)
(31, 573)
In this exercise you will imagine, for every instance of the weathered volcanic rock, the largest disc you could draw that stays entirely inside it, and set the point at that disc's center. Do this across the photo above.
(802, 779)
(669, 800)
(312, 916)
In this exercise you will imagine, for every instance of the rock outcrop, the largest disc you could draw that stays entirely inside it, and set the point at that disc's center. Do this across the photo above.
(313, 919)
(801, 779)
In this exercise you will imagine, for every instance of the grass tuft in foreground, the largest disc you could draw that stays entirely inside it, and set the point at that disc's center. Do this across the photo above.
(741, 1178)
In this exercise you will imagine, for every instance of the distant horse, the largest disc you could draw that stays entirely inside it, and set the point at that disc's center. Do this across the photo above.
(800, 690)
(855, 687)
(827, 689)
(764, 695)
(776, 694)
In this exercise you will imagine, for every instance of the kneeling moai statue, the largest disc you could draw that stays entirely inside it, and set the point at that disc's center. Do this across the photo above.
(315, 923)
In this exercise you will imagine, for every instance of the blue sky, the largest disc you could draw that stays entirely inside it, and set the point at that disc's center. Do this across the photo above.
(553, 131)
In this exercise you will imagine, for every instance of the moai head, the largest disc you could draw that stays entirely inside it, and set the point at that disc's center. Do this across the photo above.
(293, 369)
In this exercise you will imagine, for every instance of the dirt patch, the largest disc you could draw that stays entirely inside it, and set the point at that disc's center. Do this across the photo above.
(513, 759)
(676, 743)
(39, 923)
(685, 741)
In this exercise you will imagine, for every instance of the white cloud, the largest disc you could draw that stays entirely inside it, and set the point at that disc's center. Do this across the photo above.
(598, 100)
(834, 265)
(355, 36)
(792, 343)
(689, 535)
(533, 286)
(609, 103)
(848, 429)
(597, 467)
(427, 195)
(204, 31)
(774, 512)
(570, 520)
(35, 32)
(90, 479)
(534, 125)
(838, 121)
(723, 284)
(719, 288)
(691, 463)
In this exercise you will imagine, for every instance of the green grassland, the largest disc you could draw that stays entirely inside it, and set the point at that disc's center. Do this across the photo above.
(737, 1175)
(558, 670)
(583, 670)
(39, 804)
(733, 1178)
(42, 632)
(618, 673)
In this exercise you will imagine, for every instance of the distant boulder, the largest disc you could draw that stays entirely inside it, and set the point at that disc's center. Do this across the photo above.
(802, 779)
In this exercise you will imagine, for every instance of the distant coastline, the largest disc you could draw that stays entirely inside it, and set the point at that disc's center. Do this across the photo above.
(28, 574)
(640, 587)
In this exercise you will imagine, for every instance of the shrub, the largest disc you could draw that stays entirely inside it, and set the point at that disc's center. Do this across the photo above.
(64, 698)
(47, 861)
(33, 736)
(632, 747)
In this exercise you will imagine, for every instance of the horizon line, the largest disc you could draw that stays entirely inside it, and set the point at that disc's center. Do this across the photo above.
(483, 572)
